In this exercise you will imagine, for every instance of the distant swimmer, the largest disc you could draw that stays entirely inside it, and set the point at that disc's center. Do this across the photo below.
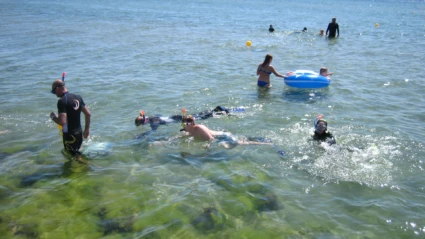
(271, 29)
(333, 29)
(304, 29)
(322, 32)
(324, 72)
(321, 133)
(264, 70)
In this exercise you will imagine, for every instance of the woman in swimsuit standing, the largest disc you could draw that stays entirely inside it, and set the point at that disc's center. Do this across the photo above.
(264, 71)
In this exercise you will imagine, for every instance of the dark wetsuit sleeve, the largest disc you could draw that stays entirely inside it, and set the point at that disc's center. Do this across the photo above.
(327, 137)
(61, 106)
(176, 118)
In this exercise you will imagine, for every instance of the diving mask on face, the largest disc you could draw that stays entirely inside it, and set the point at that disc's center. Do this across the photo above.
(321, 127)
(56, 85)
(185, 122)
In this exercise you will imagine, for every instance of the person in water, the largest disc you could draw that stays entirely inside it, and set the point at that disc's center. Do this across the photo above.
(321, 132)
(271, 29)
(324, 72)
(332, 29)
(322, 32)
(304, 29)
(264, 70)
(203, 133)
(70, 107)
(156, 121)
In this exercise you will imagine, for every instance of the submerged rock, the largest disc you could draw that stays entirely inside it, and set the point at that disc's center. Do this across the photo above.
(32, 179)
(119, 225)
(24, 230)
(209, 219)
(268, 202)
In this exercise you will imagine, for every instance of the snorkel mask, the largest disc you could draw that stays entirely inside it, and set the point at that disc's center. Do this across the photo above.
(63, 80)
(142, 121)
(320, 124)
(183, 119)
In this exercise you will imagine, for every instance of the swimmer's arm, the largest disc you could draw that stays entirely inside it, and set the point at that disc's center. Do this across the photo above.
(331, 140)
(87, 117)
(258, 70)
(55, 118)
(182, 134)
(277, 73)
(216, 133)
(60, 120)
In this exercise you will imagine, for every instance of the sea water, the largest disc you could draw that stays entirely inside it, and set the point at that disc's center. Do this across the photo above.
(161, 56)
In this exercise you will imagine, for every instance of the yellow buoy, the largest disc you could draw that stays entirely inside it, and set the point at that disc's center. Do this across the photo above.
(376, 25)
(248, 43)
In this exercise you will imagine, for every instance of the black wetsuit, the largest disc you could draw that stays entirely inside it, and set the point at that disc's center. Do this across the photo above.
(71, 105)
(333, 27)
(271, 29)
(325, 137)
(156, 121)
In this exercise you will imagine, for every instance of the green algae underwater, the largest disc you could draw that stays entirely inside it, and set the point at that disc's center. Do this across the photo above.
(71, 200)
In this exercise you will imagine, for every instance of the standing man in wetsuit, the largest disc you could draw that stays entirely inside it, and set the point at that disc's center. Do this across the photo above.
(333, 28)
(70, 107)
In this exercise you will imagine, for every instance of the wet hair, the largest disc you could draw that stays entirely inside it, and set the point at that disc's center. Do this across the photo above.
(57, 83)
(188, 119)
(323, 69)
(138, 121)
(267, 60)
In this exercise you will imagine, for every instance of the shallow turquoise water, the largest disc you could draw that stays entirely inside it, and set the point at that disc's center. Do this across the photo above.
(125, 56)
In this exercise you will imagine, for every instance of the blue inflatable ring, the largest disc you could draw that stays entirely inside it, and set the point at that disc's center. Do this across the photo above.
(307, 79)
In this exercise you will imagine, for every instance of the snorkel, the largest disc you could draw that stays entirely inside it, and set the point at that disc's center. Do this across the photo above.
(317, 119)
(183, 119)
(141, 121)
(63, 80)
(142, 113)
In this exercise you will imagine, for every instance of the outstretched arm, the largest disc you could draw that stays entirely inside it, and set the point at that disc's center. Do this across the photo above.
(87, 115)
(276, 73)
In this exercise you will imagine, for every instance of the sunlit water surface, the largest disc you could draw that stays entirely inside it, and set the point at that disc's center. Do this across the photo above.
(125, 56)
